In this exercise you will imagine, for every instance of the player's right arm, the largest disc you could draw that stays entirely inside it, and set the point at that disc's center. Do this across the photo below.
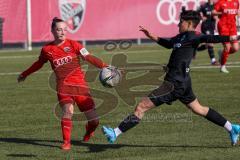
(216, 39)
(165, 42)
(217, 11)
(33, 68)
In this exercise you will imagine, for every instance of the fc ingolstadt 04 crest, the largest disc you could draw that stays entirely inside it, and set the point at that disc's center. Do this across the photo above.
(72, 11)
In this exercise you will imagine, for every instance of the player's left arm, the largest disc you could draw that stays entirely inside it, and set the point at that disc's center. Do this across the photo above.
(216, 38)
(92, 59)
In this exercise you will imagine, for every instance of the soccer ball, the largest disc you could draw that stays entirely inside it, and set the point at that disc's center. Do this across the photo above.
(110, 76)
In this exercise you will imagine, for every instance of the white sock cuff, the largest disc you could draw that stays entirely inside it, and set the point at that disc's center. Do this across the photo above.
(228, 126)
(117, 131)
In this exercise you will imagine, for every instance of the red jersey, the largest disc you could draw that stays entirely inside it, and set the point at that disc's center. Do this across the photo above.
(229, 9)
(65, 60)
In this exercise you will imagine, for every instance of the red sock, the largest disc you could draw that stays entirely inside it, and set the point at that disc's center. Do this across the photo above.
(66, 129)
(92, 125)
(224, 57)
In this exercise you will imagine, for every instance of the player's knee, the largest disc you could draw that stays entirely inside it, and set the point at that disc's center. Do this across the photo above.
(234, 49)
(67, 111)
(67, 115)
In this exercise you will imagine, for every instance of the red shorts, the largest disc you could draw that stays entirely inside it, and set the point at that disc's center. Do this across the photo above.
(76, 94)
(84, 103)
(227, 29)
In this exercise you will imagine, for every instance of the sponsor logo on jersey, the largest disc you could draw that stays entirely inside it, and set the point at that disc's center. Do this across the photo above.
(230, 11)
(177, 45)
(62, 61)
(67, 49)
(72, 11)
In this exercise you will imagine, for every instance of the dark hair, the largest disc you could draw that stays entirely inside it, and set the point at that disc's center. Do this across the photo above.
(190, 15)
(55, 21)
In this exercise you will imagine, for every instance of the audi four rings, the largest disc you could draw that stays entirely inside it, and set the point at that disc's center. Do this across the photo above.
(172, 8)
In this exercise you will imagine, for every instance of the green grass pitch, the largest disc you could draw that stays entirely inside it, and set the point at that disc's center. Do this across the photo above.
(30, 128)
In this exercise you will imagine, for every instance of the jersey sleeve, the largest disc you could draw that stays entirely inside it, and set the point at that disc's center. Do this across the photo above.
(85, 55)
(81, 50)
(36, 65)
(43, 57)
(213, 39)
(165, 42)
(217, 6)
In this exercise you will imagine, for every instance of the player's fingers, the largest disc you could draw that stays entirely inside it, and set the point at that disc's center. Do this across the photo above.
(144, 31)
(20, 78)
(141, 28)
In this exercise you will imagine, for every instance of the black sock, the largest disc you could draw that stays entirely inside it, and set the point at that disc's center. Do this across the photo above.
(215, 117)
(128, 123)
(211, 52)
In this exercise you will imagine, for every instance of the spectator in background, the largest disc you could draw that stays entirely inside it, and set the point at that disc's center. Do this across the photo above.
(227, 10)
(208, 27)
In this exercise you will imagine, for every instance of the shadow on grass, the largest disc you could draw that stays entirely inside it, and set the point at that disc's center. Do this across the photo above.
(94, 147)
(22, 155)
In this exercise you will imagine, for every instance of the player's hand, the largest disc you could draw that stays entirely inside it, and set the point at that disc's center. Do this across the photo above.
(148, 34)
(145, 31)
(21, 78)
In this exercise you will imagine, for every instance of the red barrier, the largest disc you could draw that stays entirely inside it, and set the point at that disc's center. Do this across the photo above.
(93, 19)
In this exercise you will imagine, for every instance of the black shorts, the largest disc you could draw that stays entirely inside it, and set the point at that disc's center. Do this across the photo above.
(208, 28)
(169, 92)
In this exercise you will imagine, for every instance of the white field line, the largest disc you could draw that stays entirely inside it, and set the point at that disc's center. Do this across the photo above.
(124, 52)
(210, 67)
(17, 73)
(17, 57)
(192, 67)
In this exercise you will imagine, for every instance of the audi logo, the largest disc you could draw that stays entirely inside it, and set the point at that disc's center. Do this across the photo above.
(168, 10)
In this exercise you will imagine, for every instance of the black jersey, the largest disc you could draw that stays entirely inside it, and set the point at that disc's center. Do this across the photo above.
(184, 46)
(206, 10)
(209, 23)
